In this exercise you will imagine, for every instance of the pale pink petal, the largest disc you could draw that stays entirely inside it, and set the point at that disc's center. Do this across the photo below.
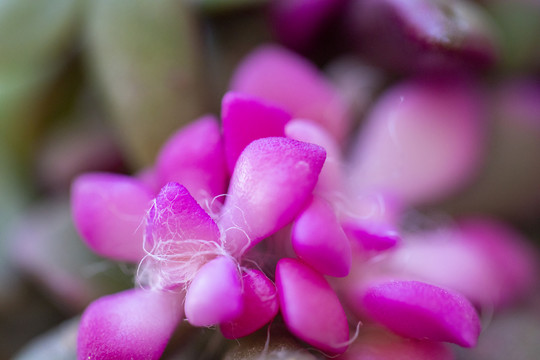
(422, 141)
(422, 311)
(134, 324)
(215, 294)
(318, 239)
(273, 179)
(260, 305)
(331, 182)
(108, 211)
(246, 118)
(374, 343)
(278, 75)
(310, 308)
(194, 157)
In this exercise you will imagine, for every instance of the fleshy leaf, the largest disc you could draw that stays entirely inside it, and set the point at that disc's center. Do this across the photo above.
(180, 238)
(318, 239)
(422, 311)
(108, 211)
(215, 294)
(273, 179)
(247, 118)
(194, 157)
(260, 305)
(134, 324)
(278, 75)
(310, 308)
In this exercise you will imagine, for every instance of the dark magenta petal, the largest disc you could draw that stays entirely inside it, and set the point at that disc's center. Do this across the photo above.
(273, 179)
(260, 305)
(422, 311)
(310, 308)
(134, 324)
(215, 294)
(108, 211)
(330, 182)
(442, 115)
(281, 76)
(194, 157)
(374, 343)
(297, 23)
(318, 239)
(180, 238)
(422, 35)
(246, 118)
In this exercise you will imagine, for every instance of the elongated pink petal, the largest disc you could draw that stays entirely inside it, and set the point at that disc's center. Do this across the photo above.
(180, 238)
(374, 343)
(422, 141)
(514, 262)
(134, 324)
(318, 239)
(422, 311)
(194, 157)
(278, 75)
(108, 211)
(260, 305)
(273, 179)
(310, 308)
(246, 118)
(330, 182)
(215, 294)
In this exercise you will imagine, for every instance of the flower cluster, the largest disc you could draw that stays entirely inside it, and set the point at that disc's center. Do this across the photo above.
(305, 229)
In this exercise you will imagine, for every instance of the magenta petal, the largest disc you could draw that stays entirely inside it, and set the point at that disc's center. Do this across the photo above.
(280, 76)
(273, 179)
(260, 305)
(422, 311)
(108, 211)
(215, 295)
(247, 118)
(441, 115)
(175, 215)
(372, 236)
(310, 308)
(194, 157)
(318, 239)
(134, 324)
